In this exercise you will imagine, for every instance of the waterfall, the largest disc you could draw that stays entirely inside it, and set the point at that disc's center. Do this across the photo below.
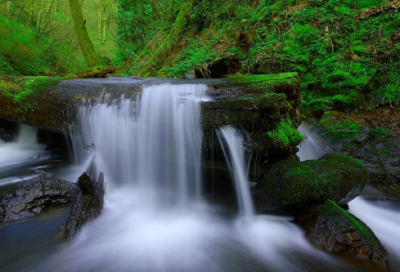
(153, 141)
(232, 146)
(149, 149)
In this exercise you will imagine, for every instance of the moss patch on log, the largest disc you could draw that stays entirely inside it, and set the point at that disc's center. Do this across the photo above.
(266, 83)
(20, 89)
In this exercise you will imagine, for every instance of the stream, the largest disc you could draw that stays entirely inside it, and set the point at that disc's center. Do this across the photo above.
(156, 215)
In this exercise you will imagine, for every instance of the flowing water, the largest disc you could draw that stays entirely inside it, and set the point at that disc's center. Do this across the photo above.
(23, 152)
(155, 216)
(312, 147)
(383, 217)
(232, 146)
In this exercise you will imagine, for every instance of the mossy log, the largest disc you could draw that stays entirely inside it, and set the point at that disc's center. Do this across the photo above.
(258, 103)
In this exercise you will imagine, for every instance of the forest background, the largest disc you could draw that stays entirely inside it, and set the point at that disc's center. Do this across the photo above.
(344, 50)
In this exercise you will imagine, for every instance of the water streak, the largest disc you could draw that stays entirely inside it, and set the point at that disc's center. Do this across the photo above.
(312, 147)
(232, 146)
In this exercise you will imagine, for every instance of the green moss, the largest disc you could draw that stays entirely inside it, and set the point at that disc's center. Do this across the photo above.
(267, 83)
(285, 135)
(340, 131)
(333, 177)
(362, 229)
(377, 132)
(21, 89)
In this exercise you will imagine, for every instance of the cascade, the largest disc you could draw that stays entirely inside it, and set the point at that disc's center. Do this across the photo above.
(154, 219)
(153, 141)
(149, 147)
(232, 146)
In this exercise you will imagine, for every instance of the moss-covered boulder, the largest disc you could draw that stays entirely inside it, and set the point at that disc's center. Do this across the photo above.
(292, 185)
(334, 230)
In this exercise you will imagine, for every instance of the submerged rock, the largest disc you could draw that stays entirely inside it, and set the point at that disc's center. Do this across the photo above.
(294, 185)
(334, 230)
(35, 196)
(87, 204)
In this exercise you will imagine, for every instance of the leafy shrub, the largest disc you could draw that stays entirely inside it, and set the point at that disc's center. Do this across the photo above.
(20, 50)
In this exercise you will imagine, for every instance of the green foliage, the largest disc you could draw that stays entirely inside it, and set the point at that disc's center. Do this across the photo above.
(362, 4)
(190, 59)
(38, 37)
(20, 51)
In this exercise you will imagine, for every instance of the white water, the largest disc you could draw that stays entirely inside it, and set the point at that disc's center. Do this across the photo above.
(383, 221)
(24, 150)
(154, 218)
(312, 147)
(232, 145)
(151, 142)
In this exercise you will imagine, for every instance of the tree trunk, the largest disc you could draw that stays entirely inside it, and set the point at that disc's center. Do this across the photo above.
(91, 57)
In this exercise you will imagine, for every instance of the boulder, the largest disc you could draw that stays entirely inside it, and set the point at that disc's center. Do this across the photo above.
(35, 196)
(332, 229)
(292, 185)
(88, 203)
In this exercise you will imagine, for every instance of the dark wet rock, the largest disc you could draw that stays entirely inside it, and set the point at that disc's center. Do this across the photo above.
(334, 230)
(292, 185)
(87, 204)
(8, 130)
(382, 192)
(362, 134)
(219, 68)
(35, 196)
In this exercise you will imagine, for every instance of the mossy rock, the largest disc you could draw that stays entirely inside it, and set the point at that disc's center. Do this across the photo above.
(292, 185)
(332, 229)
(287, 83)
